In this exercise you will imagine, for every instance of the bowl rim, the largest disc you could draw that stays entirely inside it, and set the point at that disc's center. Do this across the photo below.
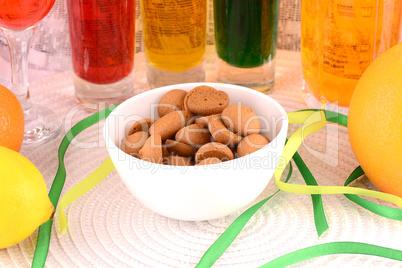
(284, 127)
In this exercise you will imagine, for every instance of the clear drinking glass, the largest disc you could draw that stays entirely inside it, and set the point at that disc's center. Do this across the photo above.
(102, 47)
(174, 35)
(340, 38)
(18, 20)
(245, 40)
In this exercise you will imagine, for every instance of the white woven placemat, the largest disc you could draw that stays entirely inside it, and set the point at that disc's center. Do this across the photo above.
(109, 228)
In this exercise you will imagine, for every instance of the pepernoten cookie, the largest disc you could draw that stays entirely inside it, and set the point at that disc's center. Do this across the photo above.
(141, 125)
(169, 124)
(133, 143)
(214, 149)
(171, 101)
(241, 120)
(206, 100)
(180, 148)
(194, 135)
(202, 121)
(250, 144)
(220, 133)
(152, 150)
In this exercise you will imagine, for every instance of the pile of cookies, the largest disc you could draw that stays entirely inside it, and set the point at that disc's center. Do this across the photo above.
(195, 128)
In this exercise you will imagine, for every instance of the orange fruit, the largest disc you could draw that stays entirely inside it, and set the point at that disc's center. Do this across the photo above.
(11, 120)
(375, 122)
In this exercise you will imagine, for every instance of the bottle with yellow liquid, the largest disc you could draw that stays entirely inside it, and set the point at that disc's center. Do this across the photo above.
(340, 38)
(174, 34)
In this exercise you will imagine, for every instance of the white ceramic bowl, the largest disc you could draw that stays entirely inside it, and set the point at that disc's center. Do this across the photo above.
(197, 192)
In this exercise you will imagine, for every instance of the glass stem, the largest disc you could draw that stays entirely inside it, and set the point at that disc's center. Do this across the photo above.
(18, 42)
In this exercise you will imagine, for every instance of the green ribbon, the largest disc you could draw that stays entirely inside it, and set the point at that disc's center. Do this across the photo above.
(42, 244)
(333, 248)
(384, 211)
(230, 234)
(221, 245)
(320, 220)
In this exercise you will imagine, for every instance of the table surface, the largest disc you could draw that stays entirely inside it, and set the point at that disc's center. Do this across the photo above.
(108, 227)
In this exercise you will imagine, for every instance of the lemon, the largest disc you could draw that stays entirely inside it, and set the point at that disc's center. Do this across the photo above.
(24, 202)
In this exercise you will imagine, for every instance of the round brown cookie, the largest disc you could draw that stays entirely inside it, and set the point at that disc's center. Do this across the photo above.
(251, 143)
(141, 125)
(173, 100)
(209, 161)
(180, 148)
(185, 103)
(132, 144)
(194, 135)
(206, 100)
(220, 133)
(168, 125)
(241, 120)
(204, 120)
(176, 160)
(152, 149)
(214, 149)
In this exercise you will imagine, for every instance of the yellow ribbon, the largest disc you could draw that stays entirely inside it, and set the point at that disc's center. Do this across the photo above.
(81, 188)
(312, 122)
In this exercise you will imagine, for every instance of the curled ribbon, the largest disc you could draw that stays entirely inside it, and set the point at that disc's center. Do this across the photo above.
(81, 188)
(312, 120)
(43, 242)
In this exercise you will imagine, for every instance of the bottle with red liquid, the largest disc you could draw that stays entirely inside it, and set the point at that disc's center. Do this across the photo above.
(102, 46)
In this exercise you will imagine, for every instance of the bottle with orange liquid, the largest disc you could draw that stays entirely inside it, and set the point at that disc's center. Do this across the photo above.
(340, 38)
(174, 34)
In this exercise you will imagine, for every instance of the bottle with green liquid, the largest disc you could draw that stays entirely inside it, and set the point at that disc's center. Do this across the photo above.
(245, 39)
